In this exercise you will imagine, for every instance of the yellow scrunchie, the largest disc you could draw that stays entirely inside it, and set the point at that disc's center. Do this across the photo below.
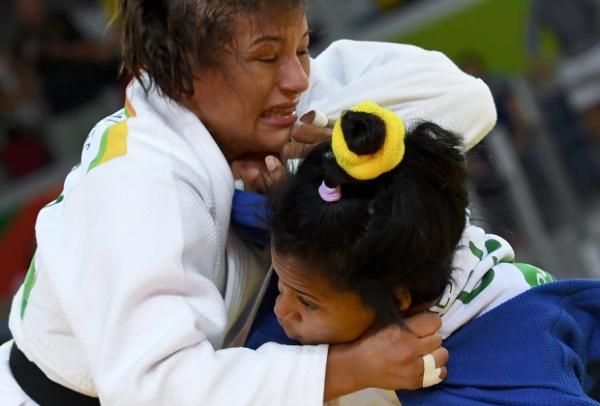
(365, 167)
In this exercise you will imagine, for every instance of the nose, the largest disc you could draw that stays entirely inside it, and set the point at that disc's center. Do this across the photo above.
(284, 309)
(294, 76)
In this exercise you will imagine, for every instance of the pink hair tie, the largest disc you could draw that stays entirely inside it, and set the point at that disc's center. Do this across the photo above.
(330, 194)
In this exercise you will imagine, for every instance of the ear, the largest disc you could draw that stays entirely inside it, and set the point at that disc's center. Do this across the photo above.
(403, 297)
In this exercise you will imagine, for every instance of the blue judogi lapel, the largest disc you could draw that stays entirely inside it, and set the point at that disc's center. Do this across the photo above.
(250, 219)
(249, 216)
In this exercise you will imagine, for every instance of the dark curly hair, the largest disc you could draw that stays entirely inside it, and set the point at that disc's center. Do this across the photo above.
(172, 40)
(400, 229)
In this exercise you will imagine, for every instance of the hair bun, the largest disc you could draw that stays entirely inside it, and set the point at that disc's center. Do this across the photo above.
(364, 132)
(371, 142)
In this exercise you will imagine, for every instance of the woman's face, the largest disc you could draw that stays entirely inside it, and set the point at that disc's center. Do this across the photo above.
(249, 105)
(311, 311)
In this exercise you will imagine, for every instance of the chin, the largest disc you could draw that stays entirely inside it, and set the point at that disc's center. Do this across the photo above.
(304, 341)
(275, 138)
(318, 340)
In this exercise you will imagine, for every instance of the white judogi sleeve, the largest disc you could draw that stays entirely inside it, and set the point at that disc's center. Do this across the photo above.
(416, 83)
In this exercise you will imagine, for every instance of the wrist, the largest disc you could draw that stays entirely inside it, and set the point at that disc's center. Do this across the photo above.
(342, 373)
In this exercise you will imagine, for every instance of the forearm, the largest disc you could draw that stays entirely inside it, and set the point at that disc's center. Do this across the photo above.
(340, 379)
(416, 83)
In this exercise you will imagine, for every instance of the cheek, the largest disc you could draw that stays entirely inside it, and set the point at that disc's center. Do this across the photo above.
(352, 323)
(254, 87)
(237, 99)
(218, 102)
(350, 331)
(331, 329)
(306, 66)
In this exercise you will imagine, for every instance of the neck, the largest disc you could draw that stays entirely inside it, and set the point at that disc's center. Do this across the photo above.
(225, 145)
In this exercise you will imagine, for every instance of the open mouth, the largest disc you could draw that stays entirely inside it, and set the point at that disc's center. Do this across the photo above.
(279, 116)
(278, 112)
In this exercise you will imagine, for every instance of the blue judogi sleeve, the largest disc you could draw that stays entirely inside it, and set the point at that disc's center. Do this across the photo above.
(531, 350)
(265, 328)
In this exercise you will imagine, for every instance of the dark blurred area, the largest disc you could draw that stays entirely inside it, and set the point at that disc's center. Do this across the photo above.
(59, 74)
(535, 179)
(58, 61)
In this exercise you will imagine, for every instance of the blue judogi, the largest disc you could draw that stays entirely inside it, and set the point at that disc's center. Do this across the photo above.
(532, 350)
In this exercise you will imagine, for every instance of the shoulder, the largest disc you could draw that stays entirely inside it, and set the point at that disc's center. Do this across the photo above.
(369, 50)
(133, 189)
(152, 146)
(140, 151)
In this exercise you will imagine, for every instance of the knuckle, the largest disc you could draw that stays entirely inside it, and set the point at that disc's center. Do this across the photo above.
(437, 322)
(431, 321)
(433, 343)
(444, 373)
(445, 355)
(424, 324)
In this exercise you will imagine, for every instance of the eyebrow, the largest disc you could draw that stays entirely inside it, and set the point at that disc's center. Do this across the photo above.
(272, 38)
(302, 293)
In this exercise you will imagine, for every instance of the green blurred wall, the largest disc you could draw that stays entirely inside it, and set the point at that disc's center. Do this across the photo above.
(493, 29)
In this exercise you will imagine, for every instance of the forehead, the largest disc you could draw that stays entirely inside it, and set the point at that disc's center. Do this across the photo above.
(298, 275)
(281, 24)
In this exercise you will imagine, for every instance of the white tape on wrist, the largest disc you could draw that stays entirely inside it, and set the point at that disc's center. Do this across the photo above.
(431, 374)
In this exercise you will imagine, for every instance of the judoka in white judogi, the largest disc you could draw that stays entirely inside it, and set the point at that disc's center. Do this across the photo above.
(138, 283)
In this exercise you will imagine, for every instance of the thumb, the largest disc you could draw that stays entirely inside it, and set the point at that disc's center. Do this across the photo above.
(275, 170)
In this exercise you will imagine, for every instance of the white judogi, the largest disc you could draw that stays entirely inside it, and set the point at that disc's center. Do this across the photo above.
(138, 280)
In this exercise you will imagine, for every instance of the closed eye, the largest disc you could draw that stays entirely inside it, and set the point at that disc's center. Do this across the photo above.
(307, 305)
(268, 59)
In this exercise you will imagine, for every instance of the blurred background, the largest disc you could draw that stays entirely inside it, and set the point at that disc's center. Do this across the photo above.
(535, 180)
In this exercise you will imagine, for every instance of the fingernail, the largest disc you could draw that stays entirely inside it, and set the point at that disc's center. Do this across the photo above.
(308, 117)
(271, 163)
